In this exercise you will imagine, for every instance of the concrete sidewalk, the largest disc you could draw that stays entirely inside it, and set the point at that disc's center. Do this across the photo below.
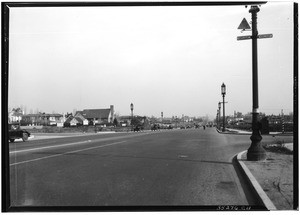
(271, 179)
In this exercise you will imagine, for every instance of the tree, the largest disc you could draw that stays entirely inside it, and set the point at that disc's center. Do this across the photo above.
(115, 122)
(68, 114)
(135, 121)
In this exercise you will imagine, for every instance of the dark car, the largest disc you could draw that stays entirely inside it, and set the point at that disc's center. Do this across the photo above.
(138, 128)
(15, 132)
(155, 127)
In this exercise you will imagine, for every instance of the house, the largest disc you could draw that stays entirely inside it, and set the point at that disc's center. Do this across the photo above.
(42, 119)
(15, 115)
(167, 121)
(55, 119)
(73, 121)
(126, 120)
(80, 118)
(96, 116)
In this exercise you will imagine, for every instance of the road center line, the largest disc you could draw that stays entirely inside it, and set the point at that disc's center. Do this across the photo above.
(48, 147)
(69, 144)
(70, 152)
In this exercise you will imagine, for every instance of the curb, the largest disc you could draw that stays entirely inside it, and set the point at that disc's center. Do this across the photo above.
(232, 132)
(258, 189)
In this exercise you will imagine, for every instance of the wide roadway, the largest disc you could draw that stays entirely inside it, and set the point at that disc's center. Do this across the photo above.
(171, 167)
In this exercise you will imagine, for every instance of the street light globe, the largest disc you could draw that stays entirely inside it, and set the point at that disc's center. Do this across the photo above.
(131, 106)
(223, 89)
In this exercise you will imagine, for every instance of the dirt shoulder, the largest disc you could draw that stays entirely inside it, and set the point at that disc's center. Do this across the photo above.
(275, 176)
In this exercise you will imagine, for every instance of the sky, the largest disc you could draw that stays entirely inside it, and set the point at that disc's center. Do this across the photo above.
(161, 58)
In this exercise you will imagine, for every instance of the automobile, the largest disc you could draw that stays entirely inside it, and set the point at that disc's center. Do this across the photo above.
(155, 127)
(138, 128)
(15, 132)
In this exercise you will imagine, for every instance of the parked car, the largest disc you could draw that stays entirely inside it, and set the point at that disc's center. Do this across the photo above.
(15, 132)
(137, 128)
(155, 127)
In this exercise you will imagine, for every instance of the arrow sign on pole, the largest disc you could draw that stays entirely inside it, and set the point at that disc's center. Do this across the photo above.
(244, 37)
(262, 36)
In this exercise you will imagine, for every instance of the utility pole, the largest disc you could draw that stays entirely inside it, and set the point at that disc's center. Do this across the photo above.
(282, 120)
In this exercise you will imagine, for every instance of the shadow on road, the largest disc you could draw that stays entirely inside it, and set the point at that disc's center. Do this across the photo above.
(251, 196)
(179, 158)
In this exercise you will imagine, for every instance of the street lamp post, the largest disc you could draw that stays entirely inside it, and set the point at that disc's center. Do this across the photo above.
(256, 151)
(131, 108)
(223, 91)
(217, 118)
(219, 106)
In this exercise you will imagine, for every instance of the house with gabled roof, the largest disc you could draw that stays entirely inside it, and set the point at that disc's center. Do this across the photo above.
(81, 118)
(97, 116)
(73, 121)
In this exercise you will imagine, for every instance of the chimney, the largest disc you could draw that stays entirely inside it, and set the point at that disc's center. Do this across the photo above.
(112, 112)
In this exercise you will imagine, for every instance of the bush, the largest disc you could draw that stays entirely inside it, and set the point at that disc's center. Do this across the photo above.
(244, 127)
(288, 127)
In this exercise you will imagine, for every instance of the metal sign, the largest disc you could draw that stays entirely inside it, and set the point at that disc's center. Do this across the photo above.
(244, 37)
(244, 25)
(262, 36)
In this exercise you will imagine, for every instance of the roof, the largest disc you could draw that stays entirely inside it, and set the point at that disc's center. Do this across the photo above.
(43, 114)
(56, 115)
(125, 117)
(78, 112)
(79, 119)
(69, 119)
(95, 113)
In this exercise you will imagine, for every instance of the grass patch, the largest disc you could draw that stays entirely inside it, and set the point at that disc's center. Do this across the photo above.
(278, 146)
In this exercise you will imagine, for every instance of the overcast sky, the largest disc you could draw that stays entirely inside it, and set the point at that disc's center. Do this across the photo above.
(161, 59)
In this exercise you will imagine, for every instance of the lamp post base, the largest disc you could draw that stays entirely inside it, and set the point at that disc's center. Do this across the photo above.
(256, 152)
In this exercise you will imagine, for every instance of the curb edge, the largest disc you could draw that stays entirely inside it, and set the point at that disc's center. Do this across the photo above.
(260, 192)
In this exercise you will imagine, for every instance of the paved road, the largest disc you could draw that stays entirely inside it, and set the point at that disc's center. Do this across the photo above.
(174, 167)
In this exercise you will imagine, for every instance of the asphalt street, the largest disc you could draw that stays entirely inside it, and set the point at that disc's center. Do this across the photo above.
(171, 167)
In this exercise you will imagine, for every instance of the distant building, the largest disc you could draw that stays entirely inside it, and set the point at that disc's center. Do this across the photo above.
(15, 115)
(96, 116)
(42, 119)
(126, 120)
(73, 121)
